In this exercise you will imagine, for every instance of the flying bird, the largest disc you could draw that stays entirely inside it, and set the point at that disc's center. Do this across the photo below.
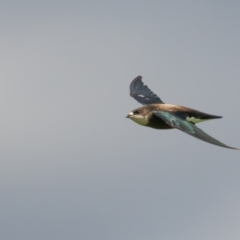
(159, 115)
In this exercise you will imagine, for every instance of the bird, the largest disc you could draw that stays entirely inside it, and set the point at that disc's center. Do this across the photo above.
(159, 115)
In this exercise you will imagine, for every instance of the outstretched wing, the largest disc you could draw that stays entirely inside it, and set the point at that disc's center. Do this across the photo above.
(142, 93)
(176, 122)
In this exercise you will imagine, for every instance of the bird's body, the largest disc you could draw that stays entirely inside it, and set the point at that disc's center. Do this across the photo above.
(149, 119)
(158, 115)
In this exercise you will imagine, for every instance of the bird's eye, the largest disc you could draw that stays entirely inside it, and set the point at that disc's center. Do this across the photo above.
(136, 112)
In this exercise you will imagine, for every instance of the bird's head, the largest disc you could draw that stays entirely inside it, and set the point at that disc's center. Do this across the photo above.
(139, 115)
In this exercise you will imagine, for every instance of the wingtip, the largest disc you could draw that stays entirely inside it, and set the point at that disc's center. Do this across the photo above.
(139, 77)
(233, 148)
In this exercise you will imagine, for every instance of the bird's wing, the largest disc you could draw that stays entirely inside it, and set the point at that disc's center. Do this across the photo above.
(142, 93)
(176, 122)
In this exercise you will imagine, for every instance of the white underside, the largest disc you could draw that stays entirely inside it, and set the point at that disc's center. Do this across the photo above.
(195, 120)
(139, 119)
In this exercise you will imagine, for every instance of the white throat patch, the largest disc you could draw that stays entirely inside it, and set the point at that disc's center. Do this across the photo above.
(139, 119)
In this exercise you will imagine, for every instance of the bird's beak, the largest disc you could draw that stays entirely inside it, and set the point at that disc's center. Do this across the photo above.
(129, 115)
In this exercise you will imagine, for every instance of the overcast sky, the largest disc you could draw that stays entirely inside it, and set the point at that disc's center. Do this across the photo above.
(72, 166)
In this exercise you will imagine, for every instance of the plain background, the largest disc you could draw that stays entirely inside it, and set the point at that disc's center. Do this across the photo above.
(72, 166)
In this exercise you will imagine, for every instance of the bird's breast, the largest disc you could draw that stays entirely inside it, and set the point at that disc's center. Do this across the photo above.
(140, 120)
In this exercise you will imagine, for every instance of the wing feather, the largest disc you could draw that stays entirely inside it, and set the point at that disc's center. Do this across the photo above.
(142, 93)
(176, 122)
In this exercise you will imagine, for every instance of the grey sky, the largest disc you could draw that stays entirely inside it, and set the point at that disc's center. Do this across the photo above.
(71, 165)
